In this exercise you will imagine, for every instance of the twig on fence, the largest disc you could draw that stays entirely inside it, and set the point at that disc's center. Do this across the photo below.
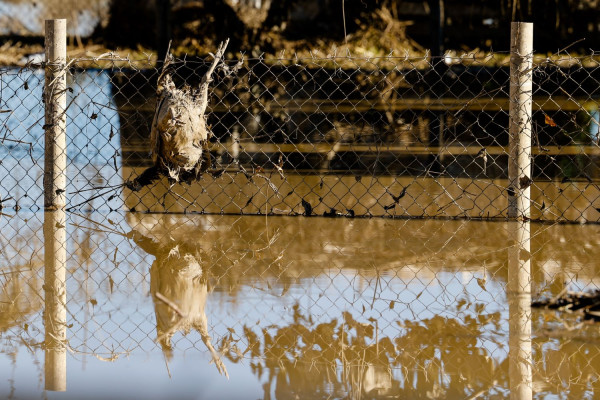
(451, 202)
(108, 229)
(549, 60)
(93, 229)
(35, 123)
(118, 186)
(18, 271)
(29, 150)
(271, 185)
(109, 107)
(169, 303)
(570, 45)
(476, 97)
(93, 198)
(15, 141)
(191, 203)
(536, 138)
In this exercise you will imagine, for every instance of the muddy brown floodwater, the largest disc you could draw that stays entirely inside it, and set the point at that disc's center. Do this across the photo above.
(136, 305)
(444, 197)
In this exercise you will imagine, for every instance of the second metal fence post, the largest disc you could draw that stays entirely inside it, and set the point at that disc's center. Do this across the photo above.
(520, 114)
(55, 103)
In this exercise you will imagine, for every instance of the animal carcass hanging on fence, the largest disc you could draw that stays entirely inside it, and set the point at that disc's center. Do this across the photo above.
(179, 133)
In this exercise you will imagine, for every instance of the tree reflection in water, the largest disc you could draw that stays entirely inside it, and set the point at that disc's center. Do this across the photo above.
(18, 296)
(436, 358)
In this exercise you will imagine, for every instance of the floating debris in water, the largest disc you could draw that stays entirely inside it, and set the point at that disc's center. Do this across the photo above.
(525, 182)
(331, 213)
(307, 208)
(586, 302)
(217, 173)
(395, 198)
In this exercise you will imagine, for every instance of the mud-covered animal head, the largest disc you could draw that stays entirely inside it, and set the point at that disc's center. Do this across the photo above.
(179, 133)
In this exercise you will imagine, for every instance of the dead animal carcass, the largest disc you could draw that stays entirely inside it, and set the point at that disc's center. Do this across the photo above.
(179, 133)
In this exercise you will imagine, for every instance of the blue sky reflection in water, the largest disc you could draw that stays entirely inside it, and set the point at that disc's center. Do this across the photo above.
(307, 307)
(93, 135)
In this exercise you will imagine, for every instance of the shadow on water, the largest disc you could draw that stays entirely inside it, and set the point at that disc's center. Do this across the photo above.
(294, 307)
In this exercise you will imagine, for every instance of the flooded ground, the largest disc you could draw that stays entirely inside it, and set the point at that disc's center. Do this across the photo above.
(136, 305)
(346, 194)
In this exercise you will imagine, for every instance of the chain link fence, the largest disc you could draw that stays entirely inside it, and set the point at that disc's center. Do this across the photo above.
(349, 136)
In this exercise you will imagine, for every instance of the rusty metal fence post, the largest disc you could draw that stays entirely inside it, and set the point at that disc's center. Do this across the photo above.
(520, 118)
(55, 104)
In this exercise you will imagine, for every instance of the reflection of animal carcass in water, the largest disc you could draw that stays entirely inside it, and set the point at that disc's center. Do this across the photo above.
(179, 288)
